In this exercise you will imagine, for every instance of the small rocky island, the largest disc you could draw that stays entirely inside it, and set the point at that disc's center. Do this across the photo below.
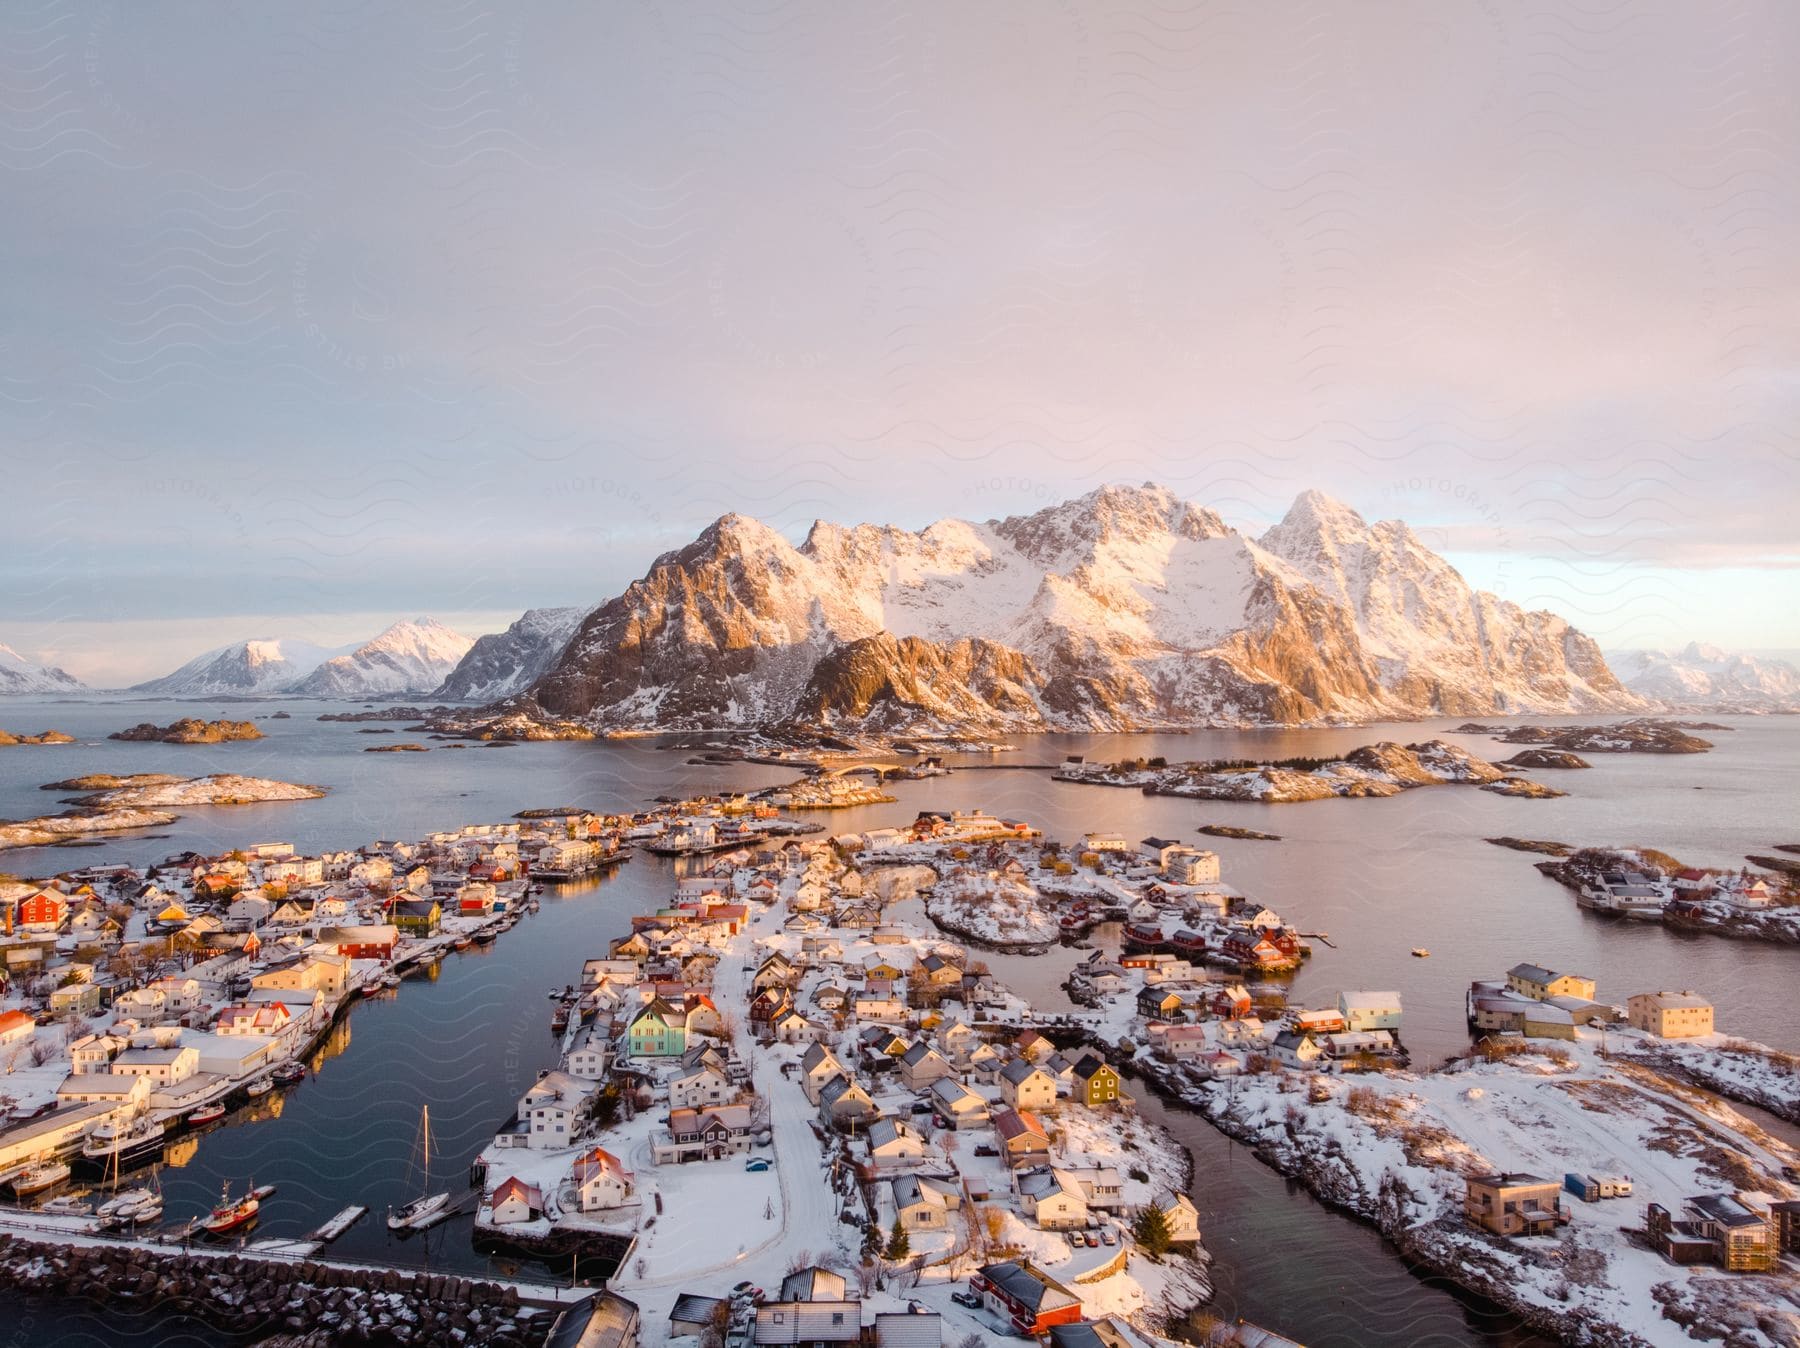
(1644, 735)
(115, 804)
(1384, 769)
(1545, 758)
(42, 737)
(1233, 831)
(189, 730)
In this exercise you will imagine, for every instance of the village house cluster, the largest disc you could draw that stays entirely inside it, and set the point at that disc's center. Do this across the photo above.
(143, 1003)
(773, 1013)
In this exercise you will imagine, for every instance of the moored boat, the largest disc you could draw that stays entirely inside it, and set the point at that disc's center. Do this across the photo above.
(228, 1216)
(35, 1179)
(289, 1072)
(112, 1146)
(259, 1088)
(427, 1207)
(206, 1114)
(66, 1206)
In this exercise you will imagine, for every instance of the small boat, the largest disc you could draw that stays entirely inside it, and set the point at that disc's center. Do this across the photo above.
(485, 936)
(390, 981)
(38, 1178)
(427, 1207)
(289, 1072)
(228, 1215)
(1421, 953)
(206, 1114)
(124, 1206)
(461, 943)
(263, 1192)
(66, 1206)
(259, 1088)
(111, 1147)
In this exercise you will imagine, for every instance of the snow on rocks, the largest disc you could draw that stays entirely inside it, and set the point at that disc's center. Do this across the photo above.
(1395, 1149)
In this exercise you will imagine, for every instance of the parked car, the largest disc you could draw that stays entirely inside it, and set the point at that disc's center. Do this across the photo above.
(757, 1163)
(1093, 1241)
(985, 1150)
(746, 1289)
(1108, 1238)
(1075, 1239)
(920, 1107)
(968, 1299)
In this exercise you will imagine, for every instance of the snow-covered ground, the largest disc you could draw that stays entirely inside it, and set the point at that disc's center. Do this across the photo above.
(1395, 1148)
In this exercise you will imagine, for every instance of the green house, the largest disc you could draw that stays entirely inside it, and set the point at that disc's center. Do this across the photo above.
(658, 1031)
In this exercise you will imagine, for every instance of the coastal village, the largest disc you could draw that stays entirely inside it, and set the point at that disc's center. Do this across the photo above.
(805, 1036)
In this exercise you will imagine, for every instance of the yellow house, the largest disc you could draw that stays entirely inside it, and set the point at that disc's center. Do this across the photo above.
(1671, 1015)
(1541, 984)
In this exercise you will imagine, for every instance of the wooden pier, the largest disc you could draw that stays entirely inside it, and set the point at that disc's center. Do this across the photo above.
(339, 1224)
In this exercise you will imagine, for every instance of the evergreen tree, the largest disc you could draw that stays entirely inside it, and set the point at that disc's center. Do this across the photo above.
(1151, 1231)
(898, 1246)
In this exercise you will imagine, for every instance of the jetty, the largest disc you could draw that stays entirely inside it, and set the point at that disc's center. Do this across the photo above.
(339, 1224)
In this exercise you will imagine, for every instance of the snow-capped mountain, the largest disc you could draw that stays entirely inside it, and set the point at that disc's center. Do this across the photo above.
(19, 675)
(1435, 642)
(1705, 678)
(256, 668)
(503, 663)
(1127, 607)
(409, 657)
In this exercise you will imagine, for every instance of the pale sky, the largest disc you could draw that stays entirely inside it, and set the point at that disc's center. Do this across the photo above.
(318, 316)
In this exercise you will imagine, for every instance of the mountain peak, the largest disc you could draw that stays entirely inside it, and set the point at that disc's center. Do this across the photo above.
(1315, 510)
(1061, 534)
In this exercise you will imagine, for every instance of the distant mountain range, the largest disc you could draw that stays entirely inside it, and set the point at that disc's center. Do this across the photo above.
(1126, 608)
(255, 668)
(21, 676)
(1705, 678)
(410, 657)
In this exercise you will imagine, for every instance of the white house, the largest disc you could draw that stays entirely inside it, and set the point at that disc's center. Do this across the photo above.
(704, 1085)
(162, 1066)
(1370, 1010)
(516, 1201)
(552, 1107)
(601, 1182)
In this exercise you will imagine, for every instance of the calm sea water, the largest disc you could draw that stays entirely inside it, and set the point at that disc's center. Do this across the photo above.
(1380, 876)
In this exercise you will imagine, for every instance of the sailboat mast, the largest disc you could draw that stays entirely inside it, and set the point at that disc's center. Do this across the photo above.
(425, 1128)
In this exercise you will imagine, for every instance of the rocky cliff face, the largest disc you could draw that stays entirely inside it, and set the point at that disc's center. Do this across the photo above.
(503, 663)
(1125, 608)
(1437, 645)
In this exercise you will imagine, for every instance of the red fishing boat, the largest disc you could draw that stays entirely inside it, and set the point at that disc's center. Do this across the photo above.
(229, 1215)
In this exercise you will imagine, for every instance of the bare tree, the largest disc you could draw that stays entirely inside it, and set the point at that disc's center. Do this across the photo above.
(868, 1275)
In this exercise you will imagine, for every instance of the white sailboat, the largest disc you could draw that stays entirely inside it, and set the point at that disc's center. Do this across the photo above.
(427, 1207)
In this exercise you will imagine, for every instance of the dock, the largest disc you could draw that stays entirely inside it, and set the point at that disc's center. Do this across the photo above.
(339, 1224)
